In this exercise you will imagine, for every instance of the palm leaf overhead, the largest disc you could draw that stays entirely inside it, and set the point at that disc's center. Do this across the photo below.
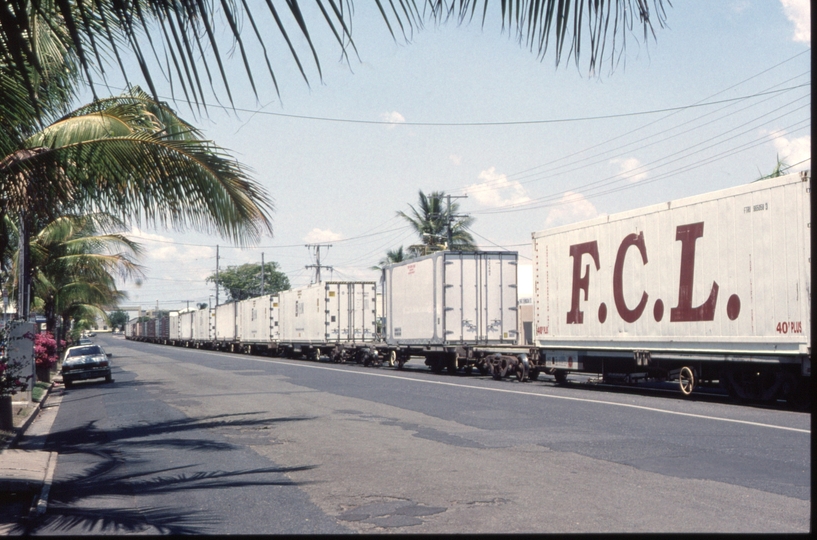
(180, 36)
(134, 157)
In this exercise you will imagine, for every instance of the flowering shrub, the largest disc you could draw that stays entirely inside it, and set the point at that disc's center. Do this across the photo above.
(11, 379)
(45, 350)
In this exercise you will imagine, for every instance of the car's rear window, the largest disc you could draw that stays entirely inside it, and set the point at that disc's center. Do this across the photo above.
(83, 351)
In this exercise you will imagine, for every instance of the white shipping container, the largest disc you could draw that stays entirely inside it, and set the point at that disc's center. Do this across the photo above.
(726, 272)
(258, 319)
(452, 298)
(204, 324)
(329, 312)
(175, 328)
(186, 325)
(226, 322)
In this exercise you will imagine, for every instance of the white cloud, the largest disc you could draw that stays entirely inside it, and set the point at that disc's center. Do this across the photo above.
(496, 190)
(319, 235)
(455, 159)
(629, 169)
(799, 12)
(162, 248)
(393, 117)
(793, 151)
(571, 208)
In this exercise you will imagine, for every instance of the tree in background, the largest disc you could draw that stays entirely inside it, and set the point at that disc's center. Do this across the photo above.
(244, 281)
(76, 260)
(780, 169)
(430, 220)
(392, 256)
(118, 319)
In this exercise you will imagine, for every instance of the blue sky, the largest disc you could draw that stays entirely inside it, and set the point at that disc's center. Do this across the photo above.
(708, 103)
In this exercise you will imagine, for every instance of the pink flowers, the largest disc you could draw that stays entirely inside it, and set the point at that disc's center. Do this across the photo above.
(45, 349)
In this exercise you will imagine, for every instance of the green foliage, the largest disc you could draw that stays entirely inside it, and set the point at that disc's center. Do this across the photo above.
(118, 318)
(392, 256)
(244, 281)
(182, 30)
(430, 220)
(780, 169)
(39, 390)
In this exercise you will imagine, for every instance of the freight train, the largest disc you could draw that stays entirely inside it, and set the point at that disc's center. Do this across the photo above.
(708, 290)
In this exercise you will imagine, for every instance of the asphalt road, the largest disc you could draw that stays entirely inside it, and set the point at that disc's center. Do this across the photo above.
(193, 441)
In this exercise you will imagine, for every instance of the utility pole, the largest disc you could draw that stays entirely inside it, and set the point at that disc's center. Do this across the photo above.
(317, 266)
(216, 275)
(451, 217)
(23, 283)
(262, 273)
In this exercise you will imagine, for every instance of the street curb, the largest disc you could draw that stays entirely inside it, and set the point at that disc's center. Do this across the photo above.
(31, 417)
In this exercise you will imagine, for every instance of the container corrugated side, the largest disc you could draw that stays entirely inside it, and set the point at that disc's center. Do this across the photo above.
(453, 298)
(225, 322)
(257, 321)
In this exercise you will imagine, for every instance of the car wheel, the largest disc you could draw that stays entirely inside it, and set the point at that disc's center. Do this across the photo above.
(108, 378)
(67, 383)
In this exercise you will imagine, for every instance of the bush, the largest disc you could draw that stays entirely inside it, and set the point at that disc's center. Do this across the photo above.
(45, 350)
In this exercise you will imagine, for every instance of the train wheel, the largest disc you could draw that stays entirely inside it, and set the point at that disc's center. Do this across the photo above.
(468, 369)
(686, 380)
(533, 375)
(392, 358)
(520, 372)
(560, 376)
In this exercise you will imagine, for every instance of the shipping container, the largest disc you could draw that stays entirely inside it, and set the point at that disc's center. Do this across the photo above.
(186, 326)
(722, 277)
(452, 298)
(328, 313)
(226, 322)
(204, 326)
(258, 320)
(174, 330)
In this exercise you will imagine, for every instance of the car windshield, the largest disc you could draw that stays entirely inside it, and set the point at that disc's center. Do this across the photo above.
(84, 351)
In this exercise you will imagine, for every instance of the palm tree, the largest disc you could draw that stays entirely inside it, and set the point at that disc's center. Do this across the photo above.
(75, 261)
(392, 256)
(134, 157)
(431, 223)
(183, 33)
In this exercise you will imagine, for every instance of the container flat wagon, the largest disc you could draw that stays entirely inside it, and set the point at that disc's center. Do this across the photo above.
(709, 288)
(452, 308)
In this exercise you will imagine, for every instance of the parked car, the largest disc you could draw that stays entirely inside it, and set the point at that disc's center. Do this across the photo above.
(85, 341)
(86, 362)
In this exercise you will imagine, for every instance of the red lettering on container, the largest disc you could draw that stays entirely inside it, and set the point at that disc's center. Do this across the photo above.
(684, 312)
(581, 283)
(629, 315)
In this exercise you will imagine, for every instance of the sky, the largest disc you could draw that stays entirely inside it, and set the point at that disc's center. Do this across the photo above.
(711, 101)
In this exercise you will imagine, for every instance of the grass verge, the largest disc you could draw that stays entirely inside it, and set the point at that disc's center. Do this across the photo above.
(39, 391)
